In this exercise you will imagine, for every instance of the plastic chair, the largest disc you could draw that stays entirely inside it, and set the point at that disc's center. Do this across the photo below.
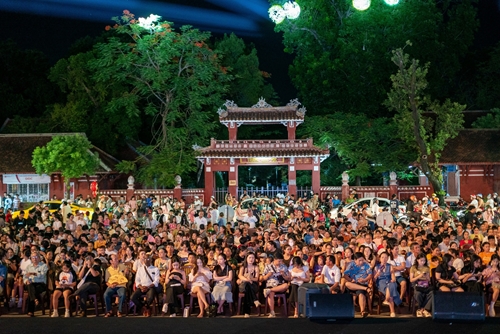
(241, 295)
(96, 306)
(194, 296)
(281, 296)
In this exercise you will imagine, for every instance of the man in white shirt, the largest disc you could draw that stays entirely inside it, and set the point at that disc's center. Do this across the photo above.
(147, 279)
(375, 208)
(337, 247)
(214, 215)
(250, 219)
(398, 264)
(197, 203)
(331, 274)
(474, 201)
(200, 219)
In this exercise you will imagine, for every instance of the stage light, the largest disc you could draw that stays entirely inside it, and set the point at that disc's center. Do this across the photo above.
(292, 10)
(361, 4)
(277, 14)
(391, 2)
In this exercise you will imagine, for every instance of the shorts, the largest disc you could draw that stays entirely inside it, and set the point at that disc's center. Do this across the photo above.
(63, 289)
(400, 279)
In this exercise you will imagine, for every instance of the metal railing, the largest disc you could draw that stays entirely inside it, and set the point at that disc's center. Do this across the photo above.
(269, 192)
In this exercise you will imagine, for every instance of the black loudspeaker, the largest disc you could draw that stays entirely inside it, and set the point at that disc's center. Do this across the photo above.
(458, 306)
(305, 290)
(330, 307)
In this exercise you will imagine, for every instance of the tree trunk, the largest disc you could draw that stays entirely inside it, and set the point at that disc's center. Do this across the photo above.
(358, 181)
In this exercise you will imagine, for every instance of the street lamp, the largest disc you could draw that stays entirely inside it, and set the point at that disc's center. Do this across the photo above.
(361, 4)
(289, 10)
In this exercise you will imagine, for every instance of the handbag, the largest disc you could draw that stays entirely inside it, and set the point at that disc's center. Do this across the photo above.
(422, 286)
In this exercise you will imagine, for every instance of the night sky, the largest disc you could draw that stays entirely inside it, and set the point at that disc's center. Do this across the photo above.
(53, 25)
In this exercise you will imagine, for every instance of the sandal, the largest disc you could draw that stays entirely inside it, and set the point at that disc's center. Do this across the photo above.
(364, 314)
(108, 315)
(119, 314)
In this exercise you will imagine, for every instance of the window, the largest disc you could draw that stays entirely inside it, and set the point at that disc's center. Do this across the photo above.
(30, 193)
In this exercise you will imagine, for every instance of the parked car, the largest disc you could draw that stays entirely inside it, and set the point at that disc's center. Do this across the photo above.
(53, 206)
(382, 202)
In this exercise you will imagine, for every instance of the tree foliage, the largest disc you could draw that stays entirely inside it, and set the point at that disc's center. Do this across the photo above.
(172, 76)
(490, 121)
(364, 145)
(488, 81)
(70, 155)
(426, 134)
(343, 55)
(88, 107)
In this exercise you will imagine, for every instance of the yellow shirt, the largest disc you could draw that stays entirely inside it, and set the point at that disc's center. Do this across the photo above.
(116, 275)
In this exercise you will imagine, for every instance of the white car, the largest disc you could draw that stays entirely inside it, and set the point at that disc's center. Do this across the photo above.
(382, 202)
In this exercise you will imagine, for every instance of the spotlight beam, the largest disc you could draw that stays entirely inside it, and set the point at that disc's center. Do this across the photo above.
(102, 11)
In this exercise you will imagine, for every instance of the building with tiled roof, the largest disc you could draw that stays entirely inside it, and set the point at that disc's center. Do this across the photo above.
(472, 161)
(228, 155)
(18, 176)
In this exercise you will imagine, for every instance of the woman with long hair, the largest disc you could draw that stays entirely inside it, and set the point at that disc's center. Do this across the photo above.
(491, 277)
(175, 283)
(420, 277)
(471, 275)
(223, 276)
(248, 282)
(200, 278)
(446, 275)
(299, 276)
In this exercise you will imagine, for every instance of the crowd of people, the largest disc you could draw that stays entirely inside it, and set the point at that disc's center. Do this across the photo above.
(147, 253)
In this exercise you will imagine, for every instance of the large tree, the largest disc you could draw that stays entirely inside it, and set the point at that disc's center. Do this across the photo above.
(342, 56)
(424, 124)
(88, 106)
(175, 78)
(69, 155)
(366, 146)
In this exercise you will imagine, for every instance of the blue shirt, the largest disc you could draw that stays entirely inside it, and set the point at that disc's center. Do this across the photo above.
(358, 272)
(3, 274)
